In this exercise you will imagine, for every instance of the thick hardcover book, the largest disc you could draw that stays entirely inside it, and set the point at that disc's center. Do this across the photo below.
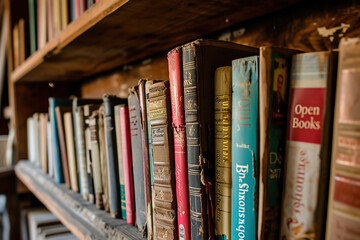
(70, 147)
(103, 159)
(111, 153)
(137, 157)
(200, 59)
(179, 133)
(32, 25)
(223, 91)
(244, 147)
(128, 172)
(59, 112)
(151, 164)
(165, 225)
(88, 109)
(53, 103)
(95, 157)
(310, 86)
(43, 118)
(81, 155)
(343, 218)
(273, 95)
(145, 146)
(120, 160)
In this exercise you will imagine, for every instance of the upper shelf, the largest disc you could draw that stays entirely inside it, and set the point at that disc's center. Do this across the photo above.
(112, 33)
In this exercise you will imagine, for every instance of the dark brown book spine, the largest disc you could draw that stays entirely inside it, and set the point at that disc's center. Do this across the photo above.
(163, 160)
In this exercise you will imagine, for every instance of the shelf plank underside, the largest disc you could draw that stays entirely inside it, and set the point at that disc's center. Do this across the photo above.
(113, 33)
(82, 218)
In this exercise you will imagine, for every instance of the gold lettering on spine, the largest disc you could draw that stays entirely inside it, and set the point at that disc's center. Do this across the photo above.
(223, 151)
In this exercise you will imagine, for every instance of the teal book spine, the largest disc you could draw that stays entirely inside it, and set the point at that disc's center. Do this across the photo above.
(245, 101)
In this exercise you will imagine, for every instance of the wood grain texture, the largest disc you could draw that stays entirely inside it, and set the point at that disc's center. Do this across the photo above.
(113, 33)
(83, 219)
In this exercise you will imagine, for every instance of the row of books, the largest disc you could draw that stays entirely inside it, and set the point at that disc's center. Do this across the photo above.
(47, 18)
(237, 144)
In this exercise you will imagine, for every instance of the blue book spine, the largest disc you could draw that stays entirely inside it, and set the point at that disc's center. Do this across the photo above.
(245, 87)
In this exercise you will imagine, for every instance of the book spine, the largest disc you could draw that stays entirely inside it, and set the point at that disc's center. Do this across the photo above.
(95, 156)
(103, 159)
(179, 133)
(50, 150)
(128, 177)
(244, 148)
(89, 162)
(30, 139)
(120, 160)
(111, 154)
(81, 156)
(44, 145)
(164, 177)
(32, 25)
(69, 134)
(60, 126)
(343, 216)
(151, 162)
(59, 177)
(273, 114)
(197, 203)
(302, 163)
(41, 23)
(64, 14)
(137, 158)
(36, 139)
(223, 90)
(145, 146)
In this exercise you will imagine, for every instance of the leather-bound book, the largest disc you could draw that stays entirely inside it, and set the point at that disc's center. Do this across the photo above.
(163, 159)
(179, 133)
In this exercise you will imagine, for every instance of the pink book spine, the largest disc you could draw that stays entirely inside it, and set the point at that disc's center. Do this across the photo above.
(178, 123)
(126, 151)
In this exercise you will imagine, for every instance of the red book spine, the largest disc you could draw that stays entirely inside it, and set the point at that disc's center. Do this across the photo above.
(77, 8)
(178, 123)
(126, 151)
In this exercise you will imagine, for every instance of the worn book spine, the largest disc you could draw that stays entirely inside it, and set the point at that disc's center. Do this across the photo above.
(179, 133)
(111, 154)
(120, 160)
(145, 146)
(81, 155)
(198, 206)
(308, 86)
(151, 164)
(103, 159)
(95, 156)
(223, 91)
(343, 216)
(88, 108)
(69, 134)
(244, 148)
(137, 158)
(44, 146)
(274, 68)
(60, 126)
(164, 176)
(128, 176)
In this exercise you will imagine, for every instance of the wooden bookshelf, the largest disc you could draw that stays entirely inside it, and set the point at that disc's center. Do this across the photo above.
(112, 33)
(82, 218)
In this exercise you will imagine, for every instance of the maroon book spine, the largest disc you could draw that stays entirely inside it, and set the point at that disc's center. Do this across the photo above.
(127, 167)
(178, 123)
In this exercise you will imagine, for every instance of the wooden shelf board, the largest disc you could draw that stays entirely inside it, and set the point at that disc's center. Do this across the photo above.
(82, 218)
(116, 32)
